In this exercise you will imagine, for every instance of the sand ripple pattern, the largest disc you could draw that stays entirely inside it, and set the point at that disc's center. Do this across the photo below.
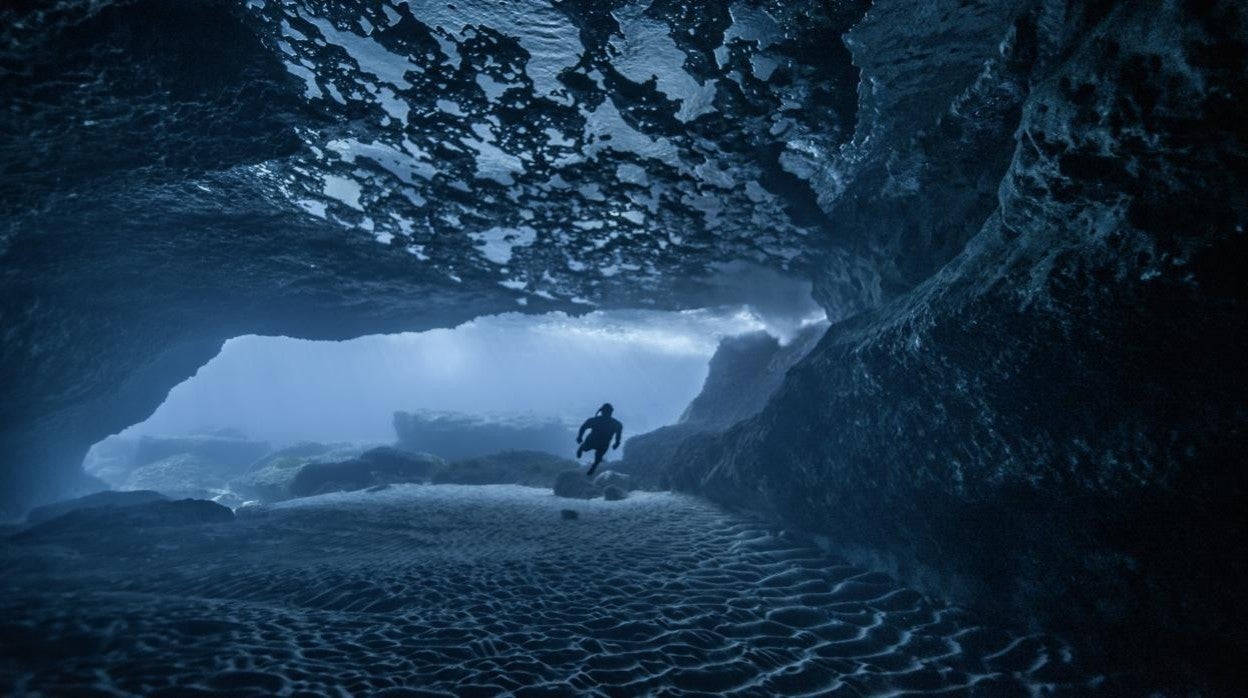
(456, 590)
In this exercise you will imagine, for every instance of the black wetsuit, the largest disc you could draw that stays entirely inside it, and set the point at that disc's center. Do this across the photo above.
(601, 429)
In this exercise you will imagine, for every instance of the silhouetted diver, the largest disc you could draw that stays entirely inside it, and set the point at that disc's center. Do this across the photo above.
(601, 428)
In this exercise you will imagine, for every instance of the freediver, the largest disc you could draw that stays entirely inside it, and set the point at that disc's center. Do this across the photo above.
(602, 426)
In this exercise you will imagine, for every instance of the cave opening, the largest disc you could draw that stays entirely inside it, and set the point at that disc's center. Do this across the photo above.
(497, 384)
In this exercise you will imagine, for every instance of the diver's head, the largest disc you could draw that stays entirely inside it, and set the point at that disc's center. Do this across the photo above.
(606, 409)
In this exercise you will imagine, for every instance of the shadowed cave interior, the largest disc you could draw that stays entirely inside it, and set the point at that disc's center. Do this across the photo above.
(925, 322)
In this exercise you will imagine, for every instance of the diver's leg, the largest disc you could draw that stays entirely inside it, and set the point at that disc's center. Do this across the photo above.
(598, 454)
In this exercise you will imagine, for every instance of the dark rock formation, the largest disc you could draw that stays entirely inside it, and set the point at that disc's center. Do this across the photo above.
(528, 468)
(1051, 427)
(455, 436)
(181, 476)
(574, 485)
(743, 374)
(612, 478)
(99, 499)
(271, 476)
(196, 466)
(102, 521)
(382, 465)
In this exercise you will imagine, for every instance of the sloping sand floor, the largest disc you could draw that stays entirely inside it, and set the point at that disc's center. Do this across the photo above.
(462, 590)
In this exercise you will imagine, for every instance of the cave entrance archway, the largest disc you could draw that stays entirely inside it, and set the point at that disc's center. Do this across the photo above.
(505, 381)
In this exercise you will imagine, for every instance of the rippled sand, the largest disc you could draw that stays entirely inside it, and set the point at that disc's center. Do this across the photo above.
(462, 590)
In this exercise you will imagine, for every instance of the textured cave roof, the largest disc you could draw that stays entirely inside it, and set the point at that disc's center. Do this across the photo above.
(570, 152)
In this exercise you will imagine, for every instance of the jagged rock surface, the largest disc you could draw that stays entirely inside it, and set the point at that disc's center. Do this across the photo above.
(181, 476)
(99, 499)
(743, 374)
(378, 466)
(1051, 427)
(102, 524)
(271, 476)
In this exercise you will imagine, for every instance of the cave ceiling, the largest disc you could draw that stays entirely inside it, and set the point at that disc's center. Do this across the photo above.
(565, 152)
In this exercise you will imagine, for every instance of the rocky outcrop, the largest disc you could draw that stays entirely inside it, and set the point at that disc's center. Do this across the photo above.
(1050, 428)
(743, 374)
(99, 499)
(221, 455)
(574, 485)
(456, 436)
(379, 466)
(102, 522)
(181, 476)
(528, 468)
(271, 476)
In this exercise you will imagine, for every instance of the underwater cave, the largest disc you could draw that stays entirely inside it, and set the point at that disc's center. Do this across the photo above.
(630, 347)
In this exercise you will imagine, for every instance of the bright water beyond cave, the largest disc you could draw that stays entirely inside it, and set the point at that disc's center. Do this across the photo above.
(553, 368)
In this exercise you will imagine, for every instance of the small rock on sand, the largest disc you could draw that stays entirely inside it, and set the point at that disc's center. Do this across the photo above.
(612, 478)
(569, 514)
(574, 485)
(613, 493)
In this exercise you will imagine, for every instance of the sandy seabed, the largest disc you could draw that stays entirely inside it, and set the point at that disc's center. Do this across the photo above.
(461, 590)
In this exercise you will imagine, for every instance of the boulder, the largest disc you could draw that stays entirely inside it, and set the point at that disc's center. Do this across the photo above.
(96, 521)
(529, 468)
(611, 493)
(271, 476)
(179, 476)
(574, 485)
(384, 465)
(99, 499)
(221, 455)
(613, 478)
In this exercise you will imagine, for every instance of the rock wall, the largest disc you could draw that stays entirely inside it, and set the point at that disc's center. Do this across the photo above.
(743, 374)
(1051, 427)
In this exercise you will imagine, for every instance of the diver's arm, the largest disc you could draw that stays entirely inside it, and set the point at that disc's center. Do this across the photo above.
(581, 434)
(619, 432)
